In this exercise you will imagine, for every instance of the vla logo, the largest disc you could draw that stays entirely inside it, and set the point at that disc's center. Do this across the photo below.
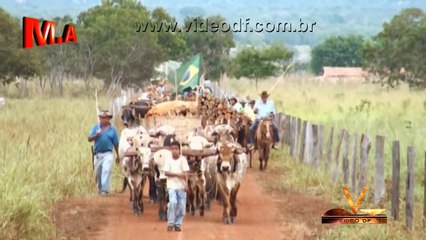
(31, 30)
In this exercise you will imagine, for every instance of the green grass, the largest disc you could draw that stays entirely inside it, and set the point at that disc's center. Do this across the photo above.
(397, 114)
(44, 158)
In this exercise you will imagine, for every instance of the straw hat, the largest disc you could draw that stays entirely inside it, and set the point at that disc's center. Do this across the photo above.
(105, 113)
(264, 94)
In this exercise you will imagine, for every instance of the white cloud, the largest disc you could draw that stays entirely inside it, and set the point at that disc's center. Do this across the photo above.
(20, 1)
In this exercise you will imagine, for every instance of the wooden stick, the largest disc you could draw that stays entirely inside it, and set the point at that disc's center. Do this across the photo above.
(281, 78)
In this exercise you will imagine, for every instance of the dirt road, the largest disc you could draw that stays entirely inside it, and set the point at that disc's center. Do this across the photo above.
(257, 219)
(261, 215)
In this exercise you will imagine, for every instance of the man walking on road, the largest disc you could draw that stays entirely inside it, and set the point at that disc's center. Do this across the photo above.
(106, 138)
(176, 169)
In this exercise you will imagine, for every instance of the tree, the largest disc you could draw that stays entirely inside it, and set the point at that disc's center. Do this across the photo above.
(256, 64)
(172, 42)
(17, 62)
(210, 41)
(121, 55)
(60, 60)
(397, 52)
(338, 52)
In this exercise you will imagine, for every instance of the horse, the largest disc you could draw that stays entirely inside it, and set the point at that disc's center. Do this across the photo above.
(243, 133)
(263, 141)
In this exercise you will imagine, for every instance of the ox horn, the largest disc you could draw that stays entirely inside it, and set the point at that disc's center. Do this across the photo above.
(211, 138)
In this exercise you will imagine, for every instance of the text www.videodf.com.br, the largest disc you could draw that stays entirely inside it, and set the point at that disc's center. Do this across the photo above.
(243, 25)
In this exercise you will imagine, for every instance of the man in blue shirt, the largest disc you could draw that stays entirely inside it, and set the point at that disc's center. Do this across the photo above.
(263, 108)
(106, 138)
(161, 89)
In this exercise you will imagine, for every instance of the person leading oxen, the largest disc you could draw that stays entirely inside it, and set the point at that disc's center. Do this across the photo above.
(263, 108)
(105, 137)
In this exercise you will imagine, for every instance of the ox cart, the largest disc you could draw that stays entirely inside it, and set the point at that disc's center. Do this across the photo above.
(181, 124)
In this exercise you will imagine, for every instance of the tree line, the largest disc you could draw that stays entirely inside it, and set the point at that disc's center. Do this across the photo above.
(395, 55)
(110, 48)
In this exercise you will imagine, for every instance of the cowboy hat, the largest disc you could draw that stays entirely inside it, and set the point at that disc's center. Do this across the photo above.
(105, 113)
(264, 94)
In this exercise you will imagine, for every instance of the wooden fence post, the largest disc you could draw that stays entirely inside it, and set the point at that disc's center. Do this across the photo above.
(409, 207)
(320, 143)
(379, 189)
(287, 133)
(365, 148)
(345, 162)
(329, 149)
(292, 134)
(309, 142)
(302, 141)
(314, 144)
(298, 138)
(336, 157)
(354, 157)
(279, 125)
(395, 180)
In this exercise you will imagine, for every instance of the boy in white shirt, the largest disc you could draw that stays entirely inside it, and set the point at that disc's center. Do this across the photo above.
(176, 169)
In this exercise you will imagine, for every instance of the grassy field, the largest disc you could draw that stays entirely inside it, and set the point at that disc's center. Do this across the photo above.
(45, 156)
(397, 114)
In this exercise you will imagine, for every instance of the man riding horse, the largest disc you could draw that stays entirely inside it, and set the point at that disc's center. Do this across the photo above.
(263, 108)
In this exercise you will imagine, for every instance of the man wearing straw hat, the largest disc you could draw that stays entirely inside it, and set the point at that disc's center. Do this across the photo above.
(161, 89)
(235, 105)
(106, 138)
(263, 108)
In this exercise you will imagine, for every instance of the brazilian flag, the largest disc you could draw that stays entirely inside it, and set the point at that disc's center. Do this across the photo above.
(189, 74)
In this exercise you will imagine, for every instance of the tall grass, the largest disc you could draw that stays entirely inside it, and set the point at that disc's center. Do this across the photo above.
(397, 114)
(44, 157)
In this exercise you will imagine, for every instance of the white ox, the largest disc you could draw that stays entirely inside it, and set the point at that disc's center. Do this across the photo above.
(231, 170)
(162, 134)
(125, 139)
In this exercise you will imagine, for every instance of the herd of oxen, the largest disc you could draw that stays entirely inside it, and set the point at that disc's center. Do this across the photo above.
(217, 154)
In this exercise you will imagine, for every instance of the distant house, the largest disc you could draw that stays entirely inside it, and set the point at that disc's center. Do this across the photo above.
(343, 73)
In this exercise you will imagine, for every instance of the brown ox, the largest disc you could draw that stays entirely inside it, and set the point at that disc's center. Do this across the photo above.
(263, 140)
(159, 158)
(136, 168)
(196, 185)
(228, 179)
(197, 180)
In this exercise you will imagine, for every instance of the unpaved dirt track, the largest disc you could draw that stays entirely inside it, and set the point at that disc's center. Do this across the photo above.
(257, 219)
(262, 214)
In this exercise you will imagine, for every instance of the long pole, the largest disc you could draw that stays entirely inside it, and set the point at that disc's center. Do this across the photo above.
(282, 77)
(97, 107)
